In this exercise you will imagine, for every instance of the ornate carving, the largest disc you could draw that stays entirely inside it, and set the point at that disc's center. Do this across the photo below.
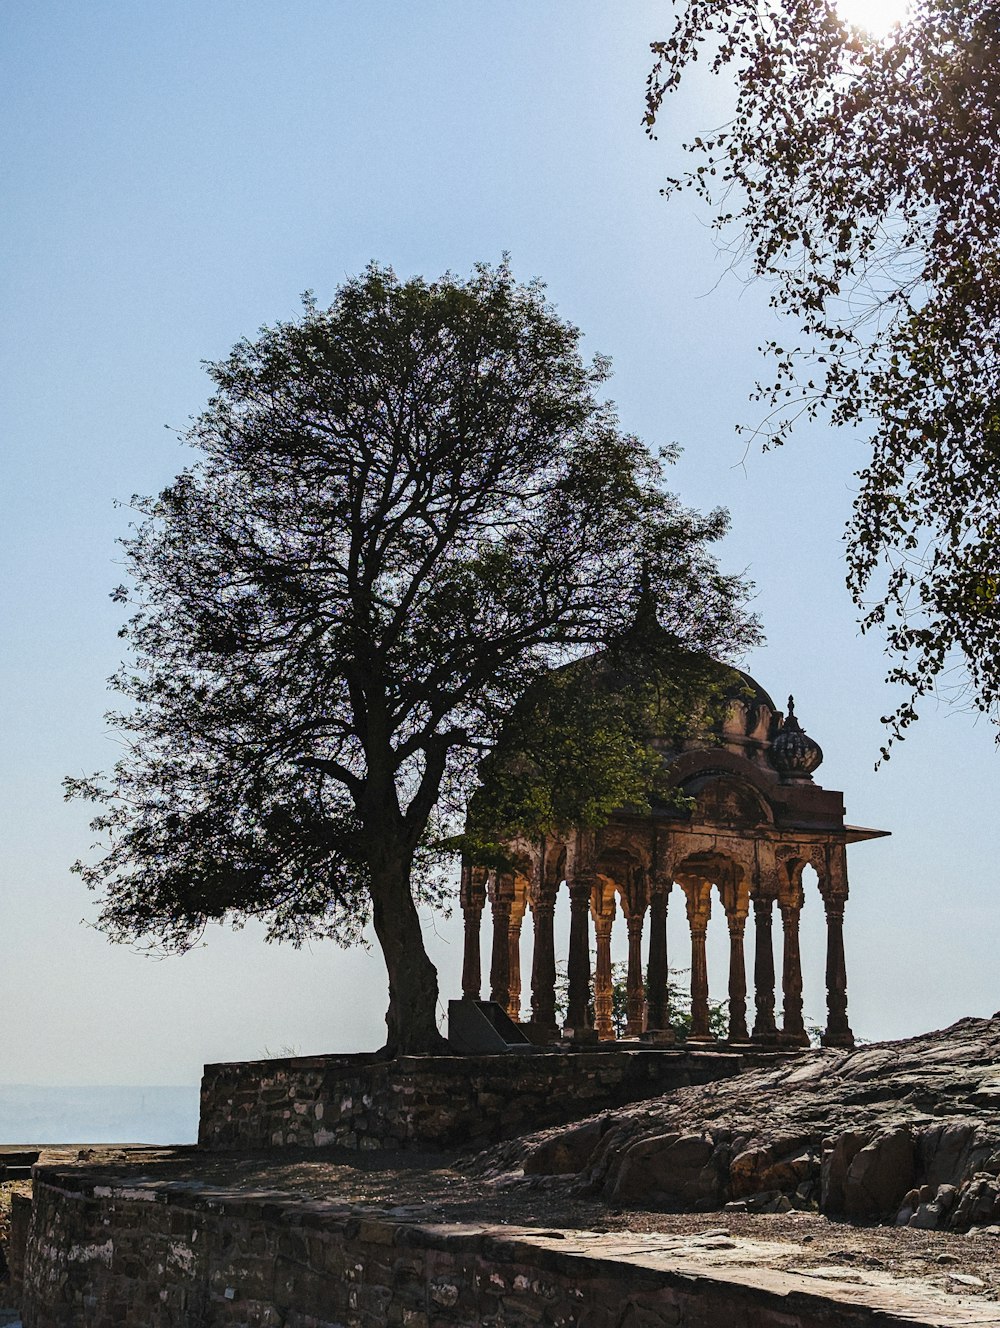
(657, 991)
(634, 985)
(737, 980)
(543, 968)
(500, 966)
(763, 972)
(727, 801)
(757, 820)
(793, 1029)
(793, 753)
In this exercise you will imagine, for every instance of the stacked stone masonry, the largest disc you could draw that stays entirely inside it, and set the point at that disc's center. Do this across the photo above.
(171, 1255)
(432, 1101)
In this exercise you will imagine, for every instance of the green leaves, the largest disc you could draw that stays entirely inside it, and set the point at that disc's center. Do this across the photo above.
(862, 180)
(588, 739)
(408, 510)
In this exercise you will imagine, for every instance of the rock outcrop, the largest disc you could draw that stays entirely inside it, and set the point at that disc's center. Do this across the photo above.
(897, 1131)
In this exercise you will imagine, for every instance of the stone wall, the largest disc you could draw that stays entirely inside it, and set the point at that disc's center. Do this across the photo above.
(432, 1101)
(147, 1254)
(17, 1241)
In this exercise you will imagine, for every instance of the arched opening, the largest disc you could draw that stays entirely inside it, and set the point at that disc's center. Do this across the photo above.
(619, 907)
(812, 937)
(524, 940)
(561, 930)
(516, 920)
(725, 799)
(714, 886)
(630, 916)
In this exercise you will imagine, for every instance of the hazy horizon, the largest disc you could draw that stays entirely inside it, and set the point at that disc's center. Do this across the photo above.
(33, 1114)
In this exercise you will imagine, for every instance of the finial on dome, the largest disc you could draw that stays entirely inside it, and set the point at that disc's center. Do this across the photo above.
(793, 753)
(646, 617)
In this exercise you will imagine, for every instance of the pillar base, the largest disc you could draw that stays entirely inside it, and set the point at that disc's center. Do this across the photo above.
(583, 1037)
(701, 1040)
(794, 1039)
(659, 1037)
(764, 1039)
(843, 1040)
(540, 1035)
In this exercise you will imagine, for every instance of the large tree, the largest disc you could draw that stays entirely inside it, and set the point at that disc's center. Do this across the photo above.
(861, 177)
(408, 507)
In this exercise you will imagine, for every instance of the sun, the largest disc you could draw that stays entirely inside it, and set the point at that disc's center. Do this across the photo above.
(878, 17)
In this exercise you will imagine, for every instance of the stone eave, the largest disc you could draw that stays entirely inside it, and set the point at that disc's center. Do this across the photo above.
(854, 834)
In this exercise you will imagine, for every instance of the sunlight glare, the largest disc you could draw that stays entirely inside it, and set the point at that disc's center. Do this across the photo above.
(877, 17)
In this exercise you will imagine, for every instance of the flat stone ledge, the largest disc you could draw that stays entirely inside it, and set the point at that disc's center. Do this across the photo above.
(670, 1279)
(577, 1056)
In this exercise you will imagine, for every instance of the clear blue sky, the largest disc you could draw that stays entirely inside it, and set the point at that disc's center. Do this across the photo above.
(174, 176)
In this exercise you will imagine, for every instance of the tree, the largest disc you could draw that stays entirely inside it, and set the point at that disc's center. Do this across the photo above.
(587, 739)
(860, 177)
(679, 998)
(408, 507)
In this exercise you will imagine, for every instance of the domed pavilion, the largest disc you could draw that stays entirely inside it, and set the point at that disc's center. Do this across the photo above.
(750, 821)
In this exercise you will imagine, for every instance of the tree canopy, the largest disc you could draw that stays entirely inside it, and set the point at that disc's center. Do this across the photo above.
(860, 177)
(588, 738)
(408, 507)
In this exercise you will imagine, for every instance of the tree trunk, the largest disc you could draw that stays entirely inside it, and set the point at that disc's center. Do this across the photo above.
(411, 1019)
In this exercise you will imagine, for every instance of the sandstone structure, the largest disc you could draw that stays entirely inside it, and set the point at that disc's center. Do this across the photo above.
(756, 820)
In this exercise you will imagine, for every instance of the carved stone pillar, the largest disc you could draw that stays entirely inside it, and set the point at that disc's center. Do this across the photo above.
(699, 911)
(472, 977)
(578, 966)
(514, 964)
(764, 1029)
(699, 984)
(603, 997)
(793, 1029)
(543, 968)
(838, 1030)
(738, 1031)
(633, 983)
(472, 895)
(500, 967)
(657, 990)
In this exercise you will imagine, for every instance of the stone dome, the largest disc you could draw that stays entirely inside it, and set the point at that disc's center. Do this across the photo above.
(646, 652)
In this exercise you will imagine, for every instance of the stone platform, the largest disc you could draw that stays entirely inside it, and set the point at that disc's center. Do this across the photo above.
(163, 1240)
(439, 1101)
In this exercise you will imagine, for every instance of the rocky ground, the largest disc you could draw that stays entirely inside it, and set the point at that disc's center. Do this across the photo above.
(901, 1132)
(858, 1168)
(431, 1188)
